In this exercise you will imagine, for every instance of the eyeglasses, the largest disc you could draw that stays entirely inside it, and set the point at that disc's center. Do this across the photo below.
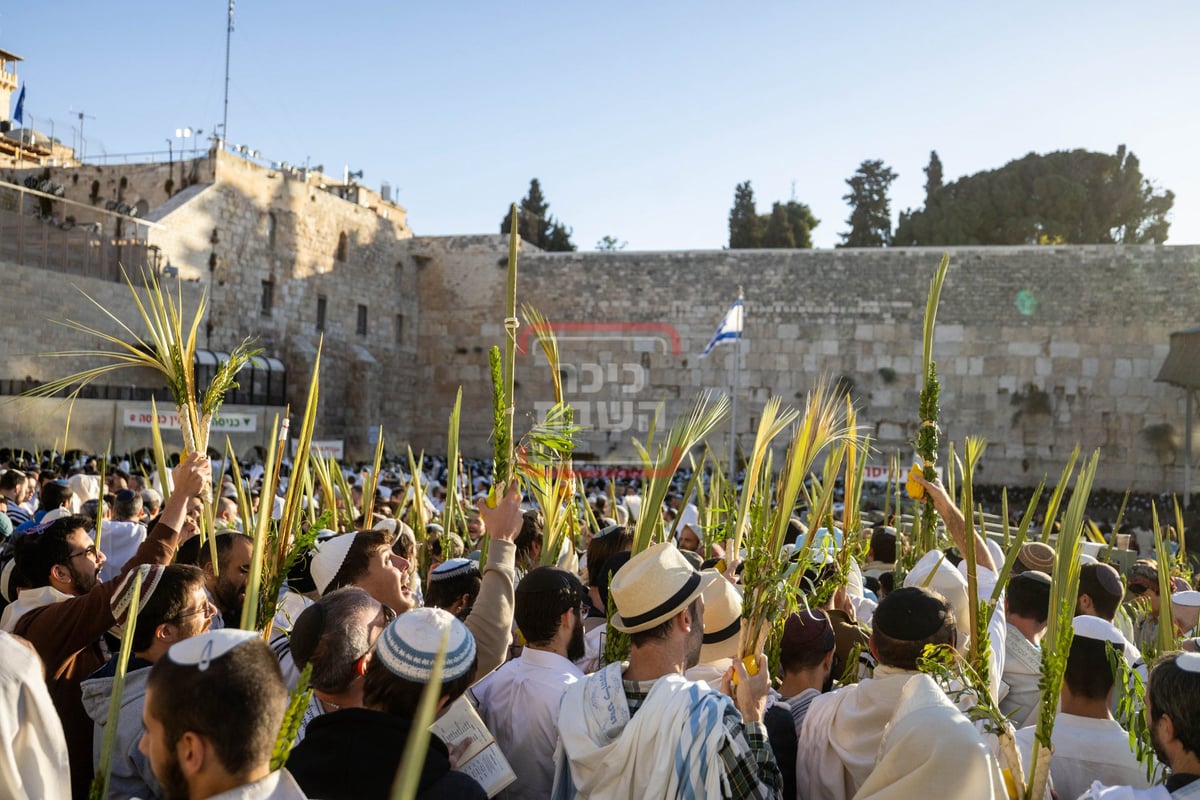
(90, 552)
(208, 610)
(1138, 588)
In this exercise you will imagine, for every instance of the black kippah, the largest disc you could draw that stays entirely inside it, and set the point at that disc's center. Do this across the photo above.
(911, 614)
(549, 580)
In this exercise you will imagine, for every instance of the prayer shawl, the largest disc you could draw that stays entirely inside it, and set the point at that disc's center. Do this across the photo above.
(1019, 694)
(669, 749)
(27, 601)
(930, 749)
(1101, 792)
(840, 739)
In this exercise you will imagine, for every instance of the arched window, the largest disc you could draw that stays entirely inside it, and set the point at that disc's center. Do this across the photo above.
(271, 223)
(341, 247)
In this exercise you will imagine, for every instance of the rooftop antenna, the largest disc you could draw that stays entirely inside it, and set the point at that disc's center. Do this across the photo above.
(82, 144)
(228, 41)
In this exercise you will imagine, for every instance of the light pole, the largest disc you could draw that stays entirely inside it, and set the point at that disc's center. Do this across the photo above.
(170, 156)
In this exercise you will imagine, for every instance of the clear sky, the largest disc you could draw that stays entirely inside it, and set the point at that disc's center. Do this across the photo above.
(638, 118)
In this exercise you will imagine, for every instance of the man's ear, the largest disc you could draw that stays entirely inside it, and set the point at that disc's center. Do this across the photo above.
(874, 650)
(60, 573)
(360, 666)
(166, 632)
(192, 751)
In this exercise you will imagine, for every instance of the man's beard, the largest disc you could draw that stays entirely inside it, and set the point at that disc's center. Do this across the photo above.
(576, 649)
(1157, 745)
(695, 642)
(229, 598)
(174, 784)
(84, 580)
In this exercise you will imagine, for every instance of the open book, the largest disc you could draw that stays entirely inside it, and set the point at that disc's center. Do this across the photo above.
(482, 759)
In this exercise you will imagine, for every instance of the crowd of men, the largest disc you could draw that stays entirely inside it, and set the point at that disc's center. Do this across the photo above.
(850, 713)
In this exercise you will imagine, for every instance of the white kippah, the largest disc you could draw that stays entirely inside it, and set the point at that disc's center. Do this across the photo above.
(328, 559)
(1101, 630)
(200, 651)
(1190, 599)
(1188, 662)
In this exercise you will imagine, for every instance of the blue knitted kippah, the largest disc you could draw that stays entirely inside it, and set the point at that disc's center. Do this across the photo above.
(408, 646)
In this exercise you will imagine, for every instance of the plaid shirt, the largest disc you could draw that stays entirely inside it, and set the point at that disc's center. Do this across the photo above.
(749, 761)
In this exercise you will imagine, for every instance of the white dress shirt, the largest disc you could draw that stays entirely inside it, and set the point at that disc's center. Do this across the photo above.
(519, 703)
(1087, 750)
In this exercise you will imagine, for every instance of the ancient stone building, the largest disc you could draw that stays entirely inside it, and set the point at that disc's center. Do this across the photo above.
(1038, 348)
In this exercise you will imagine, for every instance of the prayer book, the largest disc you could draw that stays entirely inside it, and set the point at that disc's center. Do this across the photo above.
(482, 759)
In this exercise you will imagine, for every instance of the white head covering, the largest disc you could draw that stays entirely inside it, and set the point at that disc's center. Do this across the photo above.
(930, 749)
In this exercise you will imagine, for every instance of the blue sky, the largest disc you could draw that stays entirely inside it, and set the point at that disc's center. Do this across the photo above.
(638, 118)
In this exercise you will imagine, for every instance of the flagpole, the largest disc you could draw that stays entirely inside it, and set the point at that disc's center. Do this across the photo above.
(737, 382)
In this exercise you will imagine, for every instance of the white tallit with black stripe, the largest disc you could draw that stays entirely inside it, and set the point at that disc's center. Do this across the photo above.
(669, 749)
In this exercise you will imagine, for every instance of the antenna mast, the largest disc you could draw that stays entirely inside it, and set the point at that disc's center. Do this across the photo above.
(228, 40)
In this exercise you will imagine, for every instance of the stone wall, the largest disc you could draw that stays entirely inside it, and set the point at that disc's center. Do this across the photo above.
(245, 227)
(1038, 348)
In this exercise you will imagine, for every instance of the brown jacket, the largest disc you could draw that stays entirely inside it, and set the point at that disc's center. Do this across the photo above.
(67, 635)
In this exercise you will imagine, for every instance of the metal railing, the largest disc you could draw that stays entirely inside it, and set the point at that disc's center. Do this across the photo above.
(50, 244)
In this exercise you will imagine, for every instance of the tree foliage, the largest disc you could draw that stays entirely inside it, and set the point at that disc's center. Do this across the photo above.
(536, 225)
(778, 232)
(933, 176)
(743, 219)
(610, 244)
(870, 218)
(789, 225)
(1068, 197)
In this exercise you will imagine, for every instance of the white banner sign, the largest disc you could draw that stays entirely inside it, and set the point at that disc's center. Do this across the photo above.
(330, 448)
(169, 421)
(878, 473)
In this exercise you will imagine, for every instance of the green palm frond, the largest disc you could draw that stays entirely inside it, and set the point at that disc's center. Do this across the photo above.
(687, 432)
(773, 422)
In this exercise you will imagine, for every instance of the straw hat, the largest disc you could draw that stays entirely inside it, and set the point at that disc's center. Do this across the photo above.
(722, 617)
(654, 586)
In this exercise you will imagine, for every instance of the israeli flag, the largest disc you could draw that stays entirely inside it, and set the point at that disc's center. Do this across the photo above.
(19, 114)
(730, 327)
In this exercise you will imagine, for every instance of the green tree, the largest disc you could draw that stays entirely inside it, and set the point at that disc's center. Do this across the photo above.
(610, 244)
(536, 225)
(1073, 197)
(559, 238)
(933, 175)
(803, 222)
(743, 219)
(870, 218)
(778, 233)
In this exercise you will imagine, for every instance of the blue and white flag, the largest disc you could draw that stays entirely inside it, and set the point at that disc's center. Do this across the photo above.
(19, 114)
(729, 329)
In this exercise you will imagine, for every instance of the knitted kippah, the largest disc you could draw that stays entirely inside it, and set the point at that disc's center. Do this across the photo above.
(1038, 556)
(409, 645)
(123, 596)
(910, 614)
(454, 568)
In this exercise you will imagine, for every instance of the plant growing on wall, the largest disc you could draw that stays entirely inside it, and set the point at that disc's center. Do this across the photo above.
(1030, 402)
